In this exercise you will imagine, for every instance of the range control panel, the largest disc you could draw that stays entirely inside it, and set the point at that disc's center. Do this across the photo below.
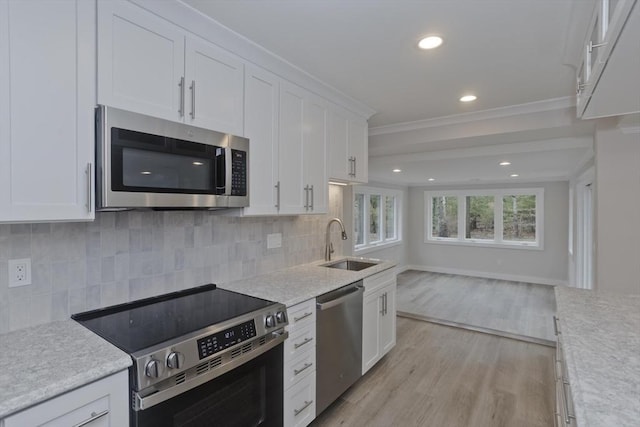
(224, 339)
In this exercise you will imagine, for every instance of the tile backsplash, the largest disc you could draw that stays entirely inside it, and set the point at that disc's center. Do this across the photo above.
(123, 256)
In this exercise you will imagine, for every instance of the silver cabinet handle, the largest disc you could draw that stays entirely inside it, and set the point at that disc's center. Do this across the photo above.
(306, 197)
(306, 341)
(304, 316)
(355, 167)
(556, 330)
(94, 416)
(567, 416)
(312, 196)
(297, 412)
(304, 368)
(193, 99)
(89, 187)
(181, 85)
(386, 299)
(277, 187)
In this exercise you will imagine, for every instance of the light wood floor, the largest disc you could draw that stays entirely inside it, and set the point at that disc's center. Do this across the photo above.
(438, 376)
(513, 308)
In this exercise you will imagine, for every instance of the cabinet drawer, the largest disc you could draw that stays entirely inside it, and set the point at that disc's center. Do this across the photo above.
(301, 315)
(102, 403)
(300, 402)
(299, 342)
(298, 368)
(375, 282)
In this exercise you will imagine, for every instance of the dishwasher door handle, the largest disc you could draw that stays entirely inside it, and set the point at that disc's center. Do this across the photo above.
(326, 305)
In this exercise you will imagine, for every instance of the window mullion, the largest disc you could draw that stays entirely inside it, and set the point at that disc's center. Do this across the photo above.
(462, 218)
(498, 220)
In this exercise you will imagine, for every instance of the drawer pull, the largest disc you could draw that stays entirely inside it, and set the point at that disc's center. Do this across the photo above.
(94, 416)
(299, 371)
(304, 316)
(297, 412)
(306, 341)
(567, 416)
(556, 330)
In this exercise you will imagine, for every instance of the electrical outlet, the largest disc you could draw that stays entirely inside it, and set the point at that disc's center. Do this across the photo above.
(19, 272)
(274, 240)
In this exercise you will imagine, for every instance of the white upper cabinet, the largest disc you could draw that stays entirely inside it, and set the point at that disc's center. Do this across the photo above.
(347, 145)
(214, 83)
(262, 90)
(293, 190)
(47, 100)
(314, 154)
(302, 152)
(607, 82)
(140, 61)
(150, 66)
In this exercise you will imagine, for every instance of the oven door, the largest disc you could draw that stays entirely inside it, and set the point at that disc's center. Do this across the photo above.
(247, 396)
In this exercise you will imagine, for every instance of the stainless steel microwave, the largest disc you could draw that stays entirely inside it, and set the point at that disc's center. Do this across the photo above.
(146, 162)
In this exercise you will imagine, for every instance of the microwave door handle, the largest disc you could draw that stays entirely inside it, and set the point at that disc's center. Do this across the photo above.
(227, 171)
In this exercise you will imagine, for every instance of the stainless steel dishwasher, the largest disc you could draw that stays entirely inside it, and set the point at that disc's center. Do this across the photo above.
(339, 342)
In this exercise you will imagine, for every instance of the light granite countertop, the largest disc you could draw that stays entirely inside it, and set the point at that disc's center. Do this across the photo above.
(300, 283)
(600, 335)
(45, 361)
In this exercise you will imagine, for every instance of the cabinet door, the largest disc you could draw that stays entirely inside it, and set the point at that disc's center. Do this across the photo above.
(388, 320)
(338, 157)
(315, 153)
(140, 61)
(261, 127)
(47, 100)
(214, 85)
(359, 149)
(292, 194)
(371, 311)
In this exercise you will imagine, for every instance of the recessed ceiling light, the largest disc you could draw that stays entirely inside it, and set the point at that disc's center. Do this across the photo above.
(145, 173)
(505, 163)
(468, 98)
(430, 42)
(198, 163)
(397, 170)
(514, 175)
(431, 179)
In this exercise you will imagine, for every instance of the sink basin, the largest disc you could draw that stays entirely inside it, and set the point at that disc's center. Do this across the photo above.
(349, 264)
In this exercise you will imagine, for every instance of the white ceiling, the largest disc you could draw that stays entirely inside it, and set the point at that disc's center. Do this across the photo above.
(507, 52)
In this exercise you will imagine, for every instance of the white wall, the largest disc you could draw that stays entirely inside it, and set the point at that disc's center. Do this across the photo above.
(617, 208)
(549, 266)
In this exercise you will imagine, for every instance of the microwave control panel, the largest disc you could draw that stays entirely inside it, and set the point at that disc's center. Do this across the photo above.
(238, 173)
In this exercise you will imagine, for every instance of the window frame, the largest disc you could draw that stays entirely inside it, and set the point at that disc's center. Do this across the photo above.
(367, 245)
(498, 240)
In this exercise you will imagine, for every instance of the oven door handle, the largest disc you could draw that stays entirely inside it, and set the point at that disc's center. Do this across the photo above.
(228, 171)
(158, 396)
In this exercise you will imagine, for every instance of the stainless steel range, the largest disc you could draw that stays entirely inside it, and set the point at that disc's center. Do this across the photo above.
(199, 355)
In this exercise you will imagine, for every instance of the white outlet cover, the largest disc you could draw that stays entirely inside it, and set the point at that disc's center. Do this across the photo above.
(19, 272)
(274, 240)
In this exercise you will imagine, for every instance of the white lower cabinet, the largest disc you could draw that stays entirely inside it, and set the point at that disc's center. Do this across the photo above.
(300, 365)
(378, 317)
(99, 404)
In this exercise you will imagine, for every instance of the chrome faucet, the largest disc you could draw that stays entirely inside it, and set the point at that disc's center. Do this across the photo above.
(328, 249)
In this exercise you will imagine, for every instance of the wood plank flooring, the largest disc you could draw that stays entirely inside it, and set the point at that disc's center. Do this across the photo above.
(438, 376)
(516, 309)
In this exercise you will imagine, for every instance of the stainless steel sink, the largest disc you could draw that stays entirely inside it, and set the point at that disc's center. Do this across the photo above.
(349, 264)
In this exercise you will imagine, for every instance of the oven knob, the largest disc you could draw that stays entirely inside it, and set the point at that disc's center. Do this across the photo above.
(175, 360)
(153, 368)
(281, 317)
(270, 321)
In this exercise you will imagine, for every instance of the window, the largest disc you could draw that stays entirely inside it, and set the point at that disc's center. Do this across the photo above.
(376, 213)
(504, 217)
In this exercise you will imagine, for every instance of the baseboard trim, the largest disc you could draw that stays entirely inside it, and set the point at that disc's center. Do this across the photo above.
(402, 268)
(487, 275)
(495, 332)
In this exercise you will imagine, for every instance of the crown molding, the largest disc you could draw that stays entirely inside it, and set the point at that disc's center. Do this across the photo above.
(494, 113)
